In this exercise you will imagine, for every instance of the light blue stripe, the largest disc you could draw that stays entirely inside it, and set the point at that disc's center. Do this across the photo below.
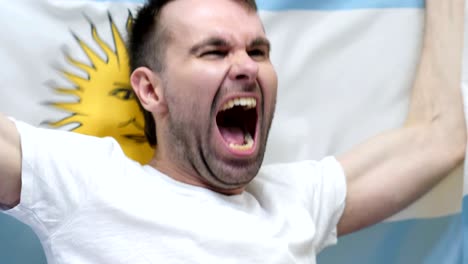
(278, 5)
(464, 231)
(18, 243)
(424, 241)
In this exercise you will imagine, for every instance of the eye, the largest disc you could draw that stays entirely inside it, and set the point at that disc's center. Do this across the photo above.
(123, 93)
(258, 54)
(214, 54)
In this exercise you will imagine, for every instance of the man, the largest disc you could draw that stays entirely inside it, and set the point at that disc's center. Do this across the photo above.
(202, 72)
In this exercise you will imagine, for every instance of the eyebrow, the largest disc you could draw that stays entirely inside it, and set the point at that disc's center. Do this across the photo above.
(212, 41)
(261, 41)
(220, 42)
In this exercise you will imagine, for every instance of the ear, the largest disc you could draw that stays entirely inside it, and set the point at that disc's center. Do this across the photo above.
(147, 86)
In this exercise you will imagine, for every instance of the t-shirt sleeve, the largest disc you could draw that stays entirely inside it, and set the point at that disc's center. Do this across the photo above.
(328, 201)
(57, 170)
(319, 187)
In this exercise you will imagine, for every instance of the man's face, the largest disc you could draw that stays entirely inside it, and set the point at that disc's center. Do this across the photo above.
(220, 89)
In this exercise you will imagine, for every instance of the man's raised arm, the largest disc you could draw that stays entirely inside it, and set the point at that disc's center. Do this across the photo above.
(390, 171)
(10, 164)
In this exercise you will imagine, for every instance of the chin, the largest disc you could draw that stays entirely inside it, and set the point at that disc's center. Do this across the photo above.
(236, 175)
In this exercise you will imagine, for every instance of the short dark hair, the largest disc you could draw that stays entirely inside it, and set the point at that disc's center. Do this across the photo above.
(146, 47)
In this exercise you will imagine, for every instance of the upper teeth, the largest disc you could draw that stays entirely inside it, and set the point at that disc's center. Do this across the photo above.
(247, 103)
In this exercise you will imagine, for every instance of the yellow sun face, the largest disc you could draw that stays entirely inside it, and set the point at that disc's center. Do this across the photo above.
(106, 105)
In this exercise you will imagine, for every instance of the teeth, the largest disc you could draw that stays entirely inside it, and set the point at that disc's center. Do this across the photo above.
(247, 103)
(248, 143)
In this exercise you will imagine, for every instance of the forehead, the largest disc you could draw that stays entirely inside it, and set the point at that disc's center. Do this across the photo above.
(193, 20)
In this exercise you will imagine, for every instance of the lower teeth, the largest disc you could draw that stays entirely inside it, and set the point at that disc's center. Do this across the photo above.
(248, 143)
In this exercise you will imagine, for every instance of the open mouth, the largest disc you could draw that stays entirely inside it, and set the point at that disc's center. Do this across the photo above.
(237, 123)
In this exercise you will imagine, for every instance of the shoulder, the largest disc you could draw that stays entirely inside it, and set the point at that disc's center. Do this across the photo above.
(308, 181)
(58, 150)
(309, 170)
(55, 139)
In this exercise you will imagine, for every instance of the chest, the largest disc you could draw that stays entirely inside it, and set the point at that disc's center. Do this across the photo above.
(163, 225)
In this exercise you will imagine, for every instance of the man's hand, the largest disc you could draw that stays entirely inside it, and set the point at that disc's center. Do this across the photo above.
(10, 164)
(390, 171)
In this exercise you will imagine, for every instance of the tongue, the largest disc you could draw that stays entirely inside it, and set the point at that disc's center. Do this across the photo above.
(232, 135)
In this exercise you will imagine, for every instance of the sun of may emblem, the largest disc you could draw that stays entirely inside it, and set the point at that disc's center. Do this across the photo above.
(105, 105)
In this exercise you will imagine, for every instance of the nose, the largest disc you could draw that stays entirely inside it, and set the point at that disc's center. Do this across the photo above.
(243, 68)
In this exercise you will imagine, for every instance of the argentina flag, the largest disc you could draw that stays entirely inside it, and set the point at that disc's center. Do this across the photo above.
(345, 71)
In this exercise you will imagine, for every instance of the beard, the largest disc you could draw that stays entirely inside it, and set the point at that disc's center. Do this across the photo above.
(189, 137)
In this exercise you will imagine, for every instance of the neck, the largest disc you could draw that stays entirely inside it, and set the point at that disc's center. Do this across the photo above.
(188, 175)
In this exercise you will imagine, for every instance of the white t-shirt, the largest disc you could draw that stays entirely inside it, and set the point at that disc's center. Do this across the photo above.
(88, 203)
